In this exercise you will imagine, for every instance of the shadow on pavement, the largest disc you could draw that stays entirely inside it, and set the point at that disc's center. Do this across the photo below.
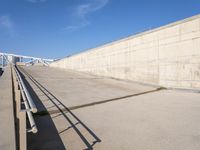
(43, 121)
(1, 71)
(47, 136)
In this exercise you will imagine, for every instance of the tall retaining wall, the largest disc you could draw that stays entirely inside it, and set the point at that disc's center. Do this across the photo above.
(168, 56)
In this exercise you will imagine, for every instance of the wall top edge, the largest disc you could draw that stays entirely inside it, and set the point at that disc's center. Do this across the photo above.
(137, 35)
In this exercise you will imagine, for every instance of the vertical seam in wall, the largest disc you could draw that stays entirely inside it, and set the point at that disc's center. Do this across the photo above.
(158, 57)
(199, 24)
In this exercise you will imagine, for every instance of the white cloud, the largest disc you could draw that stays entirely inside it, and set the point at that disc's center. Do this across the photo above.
(82, 11)
(36, 1)
(94, 5)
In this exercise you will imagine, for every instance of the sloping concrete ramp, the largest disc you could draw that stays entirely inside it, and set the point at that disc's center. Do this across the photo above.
(76, 89)
(80, 111)
(7, 127)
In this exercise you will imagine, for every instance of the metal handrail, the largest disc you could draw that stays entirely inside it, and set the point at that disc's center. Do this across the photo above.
(24, 89)
(28, 102)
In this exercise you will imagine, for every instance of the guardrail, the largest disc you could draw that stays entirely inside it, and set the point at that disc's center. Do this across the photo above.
(24, 109)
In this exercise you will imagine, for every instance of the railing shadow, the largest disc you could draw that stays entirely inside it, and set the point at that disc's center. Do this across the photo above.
(47, 132)
(59, 105)
(1, 71)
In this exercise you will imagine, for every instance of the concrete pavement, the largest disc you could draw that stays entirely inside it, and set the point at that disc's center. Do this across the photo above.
(162, 119)
(7, 128)
(75, 89)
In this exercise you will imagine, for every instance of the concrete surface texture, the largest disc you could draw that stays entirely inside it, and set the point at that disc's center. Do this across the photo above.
(164, 120)
(168, 56)
(77, 89)
(7, 128)
(146, 119)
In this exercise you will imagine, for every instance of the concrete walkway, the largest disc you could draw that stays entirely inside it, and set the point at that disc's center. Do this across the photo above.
(75, 89)
(164, 120)
(7, 128)
(137, 117)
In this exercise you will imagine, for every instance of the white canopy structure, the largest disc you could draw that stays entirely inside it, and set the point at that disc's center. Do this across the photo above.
(28, 60)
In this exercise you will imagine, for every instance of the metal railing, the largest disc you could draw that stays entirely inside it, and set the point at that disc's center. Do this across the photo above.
(24, 109)
(6, 58)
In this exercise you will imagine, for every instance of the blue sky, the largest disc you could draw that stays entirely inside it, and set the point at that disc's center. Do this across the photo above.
(58, 28)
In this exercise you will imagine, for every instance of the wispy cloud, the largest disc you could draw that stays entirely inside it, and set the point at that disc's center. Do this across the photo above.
(36, 1)
(82, 11)
(7, 24)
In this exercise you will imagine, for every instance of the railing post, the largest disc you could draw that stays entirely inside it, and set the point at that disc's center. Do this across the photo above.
(22, 130)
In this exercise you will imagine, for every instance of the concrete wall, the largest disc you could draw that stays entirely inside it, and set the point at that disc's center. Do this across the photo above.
(168, 56)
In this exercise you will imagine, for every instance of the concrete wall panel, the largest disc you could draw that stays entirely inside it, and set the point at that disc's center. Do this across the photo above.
(168, 56)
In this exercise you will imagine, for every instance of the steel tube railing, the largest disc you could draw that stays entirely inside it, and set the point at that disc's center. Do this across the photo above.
(28, 57)
(24, 89)
(28, 102)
